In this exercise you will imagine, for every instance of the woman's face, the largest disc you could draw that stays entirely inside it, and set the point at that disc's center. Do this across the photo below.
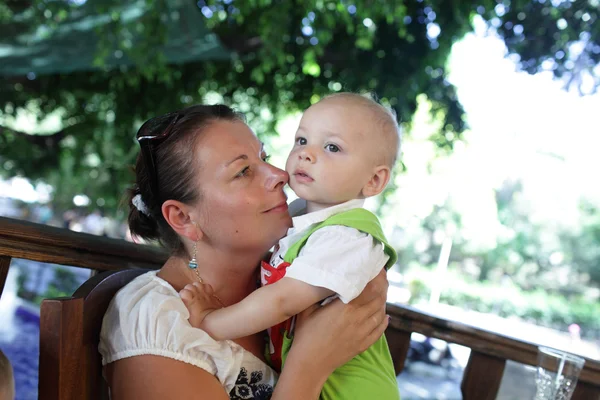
(242, 205)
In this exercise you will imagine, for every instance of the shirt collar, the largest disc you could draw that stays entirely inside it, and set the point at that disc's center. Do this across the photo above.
(303, 221)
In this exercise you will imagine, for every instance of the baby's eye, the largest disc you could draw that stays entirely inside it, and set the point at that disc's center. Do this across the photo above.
(332, 148)
(266, 157)
(301, 141)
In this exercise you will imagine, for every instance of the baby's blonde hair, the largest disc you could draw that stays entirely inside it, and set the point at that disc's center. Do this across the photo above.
(7, 380)
(383, 117)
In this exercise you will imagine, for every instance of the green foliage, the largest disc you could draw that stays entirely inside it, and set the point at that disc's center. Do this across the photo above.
(287, 54)
(419, 292)
(64, 281)
(534, 252)
(583, 247)
(540, 307)
(63, 284)
(543, 34)
(21, 279)
(51, 293)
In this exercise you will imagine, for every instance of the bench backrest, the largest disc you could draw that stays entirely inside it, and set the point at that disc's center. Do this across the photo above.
(70, 365)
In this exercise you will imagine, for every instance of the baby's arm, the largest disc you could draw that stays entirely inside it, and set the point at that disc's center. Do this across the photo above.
(262, 309)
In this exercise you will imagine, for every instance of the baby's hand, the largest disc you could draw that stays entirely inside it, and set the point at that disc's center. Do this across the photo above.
(200, 300)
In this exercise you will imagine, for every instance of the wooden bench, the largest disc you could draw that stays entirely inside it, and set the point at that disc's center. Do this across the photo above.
(69, 327)
(70, 365)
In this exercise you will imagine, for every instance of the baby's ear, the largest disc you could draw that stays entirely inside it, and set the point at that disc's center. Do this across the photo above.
(378, 182)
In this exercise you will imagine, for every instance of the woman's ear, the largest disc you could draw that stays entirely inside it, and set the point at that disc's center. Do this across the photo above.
(378, 182)
(178, 217)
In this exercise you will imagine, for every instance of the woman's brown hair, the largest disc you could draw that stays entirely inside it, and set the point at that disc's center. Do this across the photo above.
(166, 166)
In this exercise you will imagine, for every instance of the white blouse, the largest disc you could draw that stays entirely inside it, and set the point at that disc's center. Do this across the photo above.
(147, 316)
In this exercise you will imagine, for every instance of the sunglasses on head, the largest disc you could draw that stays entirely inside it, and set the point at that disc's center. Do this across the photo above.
(151, 134)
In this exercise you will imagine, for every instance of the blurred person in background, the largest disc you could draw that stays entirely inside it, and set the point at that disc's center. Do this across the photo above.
(7, 380)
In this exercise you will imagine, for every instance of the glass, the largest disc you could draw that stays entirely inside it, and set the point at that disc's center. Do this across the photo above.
(557, 374)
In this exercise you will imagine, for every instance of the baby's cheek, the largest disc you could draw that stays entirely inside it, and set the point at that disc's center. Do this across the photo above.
(289, 163)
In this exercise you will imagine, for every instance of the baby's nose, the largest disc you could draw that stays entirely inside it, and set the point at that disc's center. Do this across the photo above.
(307, 155)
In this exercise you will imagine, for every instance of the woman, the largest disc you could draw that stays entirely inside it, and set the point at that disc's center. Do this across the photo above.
(204, 189)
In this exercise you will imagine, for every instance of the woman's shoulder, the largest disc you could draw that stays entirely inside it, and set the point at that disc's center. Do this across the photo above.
(145, 290)
(145, 297)
(147, 317)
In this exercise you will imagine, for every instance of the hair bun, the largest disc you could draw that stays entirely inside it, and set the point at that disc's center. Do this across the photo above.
(141, 223)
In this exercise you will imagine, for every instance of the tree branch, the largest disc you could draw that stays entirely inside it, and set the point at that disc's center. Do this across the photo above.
(50, 141)
(240, 45)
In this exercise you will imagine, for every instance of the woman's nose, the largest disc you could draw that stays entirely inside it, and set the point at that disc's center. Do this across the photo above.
(276, 178)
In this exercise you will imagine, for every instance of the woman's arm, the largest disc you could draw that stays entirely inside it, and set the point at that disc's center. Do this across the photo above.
(156, 378)
(328, 337)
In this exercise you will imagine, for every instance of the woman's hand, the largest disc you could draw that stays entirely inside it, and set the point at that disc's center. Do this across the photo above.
(328, 337)
(332, 335)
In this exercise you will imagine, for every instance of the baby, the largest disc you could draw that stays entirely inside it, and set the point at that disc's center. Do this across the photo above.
(344, 151)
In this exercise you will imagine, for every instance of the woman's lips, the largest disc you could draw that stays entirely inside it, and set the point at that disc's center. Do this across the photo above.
(283, 207)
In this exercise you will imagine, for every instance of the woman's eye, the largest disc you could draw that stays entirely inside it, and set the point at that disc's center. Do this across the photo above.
(266, 157)
(332, 148)
(301, 141)
(243, 173)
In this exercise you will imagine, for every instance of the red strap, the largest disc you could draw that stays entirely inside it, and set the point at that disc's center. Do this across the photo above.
(275, 273)
(278, 331)
(277, 334)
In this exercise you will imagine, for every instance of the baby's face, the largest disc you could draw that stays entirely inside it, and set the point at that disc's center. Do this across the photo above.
(333, 157)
